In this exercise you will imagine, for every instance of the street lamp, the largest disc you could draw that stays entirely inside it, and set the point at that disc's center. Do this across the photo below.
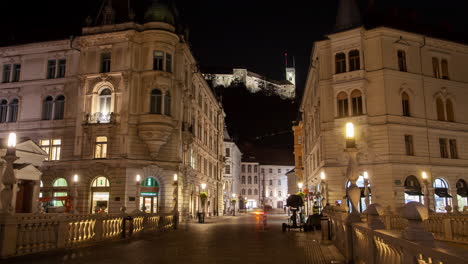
(137, 195)
(323, 188)
(9, 178)
(245, 204)
(353, 191)
(350, 141)
(300, 186)
(75, 193)
(176, 200)
(203, 186)
(426, 191)
(366, 188)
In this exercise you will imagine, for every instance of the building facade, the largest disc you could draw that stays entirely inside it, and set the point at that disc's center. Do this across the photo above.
(231, 175)
(119, 101)
(404, 92)
(275, 184)
(249, 186)
(296, 176)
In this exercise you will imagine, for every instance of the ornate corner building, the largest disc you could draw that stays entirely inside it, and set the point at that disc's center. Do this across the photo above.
(122, 99)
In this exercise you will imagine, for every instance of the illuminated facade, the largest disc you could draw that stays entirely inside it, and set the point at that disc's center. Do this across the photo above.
(119, 101)
(405, 94)
(296, 176)
(275, 184)
(231, 174)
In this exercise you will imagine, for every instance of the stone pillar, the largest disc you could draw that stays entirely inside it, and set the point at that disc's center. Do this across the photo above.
(8, 235)
(416, 213)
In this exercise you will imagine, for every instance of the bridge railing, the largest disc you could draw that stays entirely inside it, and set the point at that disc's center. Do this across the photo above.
(412, 238)
(30, 233)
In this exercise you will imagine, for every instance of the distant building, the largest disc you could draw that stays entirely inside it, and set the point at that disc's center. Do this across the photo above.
(232, 169)
(275, 184)
(296, 176)
(249, 186)
(286, 89)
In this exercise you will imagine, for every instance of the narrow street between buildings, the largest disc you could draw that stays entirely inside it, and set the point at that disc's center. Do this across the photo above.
(229, 239)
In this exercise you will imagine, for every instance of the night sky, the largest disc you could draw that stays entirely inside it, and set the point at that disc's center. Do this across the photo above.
(250, 34)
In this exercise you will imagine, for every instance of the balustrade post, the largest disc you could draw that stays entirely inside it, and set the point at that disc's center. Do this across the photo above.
(447, 225)
(416, 213)
(8, 235)
(98, 228)
(62, 232)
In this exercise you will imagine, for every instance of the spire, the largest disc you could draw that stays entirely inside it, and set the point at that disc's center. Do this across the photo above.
(348, 16)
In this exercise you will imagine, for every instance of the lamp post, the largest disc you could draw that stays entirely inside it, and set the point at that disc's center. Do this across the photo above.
(426, 190)
(137, 194)
(9, 178)
(233, 201)
(366, 188)
(300, 185)
(176, 193)
(203, 202)
(75, 193)
(353, 191)
(245, 204)
(324, 189)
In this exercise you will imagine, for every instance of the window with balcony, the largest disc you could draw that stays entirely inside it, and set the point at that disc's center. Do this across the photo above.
(405, 104)
(13, 110)
(105, 100)
(340, 63)
(401, 60)
(3, 111)
(105, 62)
(356, 101)
(47, 108)
(354, 60)
(101, 148)
(342, 99)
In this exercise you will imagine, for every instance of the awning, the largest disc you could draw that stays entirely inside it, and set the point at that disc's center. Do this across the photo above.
(413, 191)
(442, 192)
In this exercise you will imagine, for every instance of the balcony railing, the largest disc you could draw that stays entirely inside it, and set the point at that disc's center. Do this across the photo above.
(99, 118)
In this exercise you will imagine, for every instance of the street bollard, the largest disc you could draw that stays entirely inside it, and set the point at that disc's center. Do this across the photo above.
(325, 227)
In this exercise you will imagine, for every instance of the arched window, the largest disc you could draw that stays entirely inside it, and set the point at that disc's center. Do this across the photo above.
(249, 180)
(256, 192)
(100, 193)
(105, 99)
(3, 111)
(449, 110)
(354, 60)
(47, 106)
(402, 60)
(156, 102)
(405, 104)
(413, 191)
(340, 63)
(243, 191)
(441, 195)
(167, 103)
(13, 111)
(249, 192)
(462, 194)
(59, 109)
(243, 179)
(440, 109)
(445, 72)
(255, 180)
(59, 190)
(342, 104)
(356, 100)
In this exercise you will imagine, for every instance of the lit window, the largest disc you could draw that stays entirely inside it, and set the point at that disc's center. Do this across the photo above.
(101, 148)
(60, 182)
(51, 147)
(100, 182)
(105, 100)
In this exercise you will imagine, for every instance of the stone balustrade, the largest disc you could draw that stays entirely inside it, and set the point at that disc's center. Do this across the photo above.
(30, 233)
(415, 237)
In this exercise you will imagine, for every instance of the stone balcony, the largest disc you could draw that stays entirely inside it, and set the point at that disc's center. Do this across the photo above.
(99, 118)
(155, 131)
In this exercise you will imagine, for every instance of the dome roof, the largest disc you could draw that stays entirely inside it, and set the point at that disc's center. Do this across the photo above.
(160, 12)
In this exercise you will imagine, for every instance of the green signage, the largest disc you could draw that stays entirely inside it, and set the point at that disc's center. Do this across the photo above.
(149, 194)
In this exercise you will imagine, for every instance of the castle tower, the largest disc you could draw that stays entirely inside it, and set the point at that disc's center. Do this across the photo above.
(290, 71)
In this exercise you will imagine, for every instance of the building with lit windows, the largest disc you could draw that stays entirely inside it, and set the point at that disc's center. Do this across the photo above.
(296, 176)
(121, 100)
(405, 93)
(250, 184)
(232, 169)
(274, 184)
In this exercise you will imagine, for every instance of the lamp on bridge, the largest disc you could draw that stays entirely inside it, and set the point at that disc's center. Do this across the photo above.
(350, 141)
(426, 190)
(366, 188)
(9, 178)
(233, 201)
(137, 194)
(300, 185)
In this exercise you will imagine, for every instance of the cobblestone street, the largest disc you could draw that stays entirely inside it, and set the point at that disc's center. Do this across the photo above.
(239, 239)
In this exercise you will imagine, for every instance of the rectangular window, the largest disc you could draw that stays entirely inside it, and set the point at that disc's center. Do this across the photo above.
(51, 68)
(243, 168)
(444, 65)
(263, 170)
(105, 62)
(168, 62)
(6, 73)
(435, 67)
(300, 161)
(158, 58)
(51, 147)
(249, 168)
(443, 148)
(101, 148)
(409, 145)
(16, 72)
(228, 169)
(343, 107)
(279, 170)
(270, 170)
(279, 182)
(453, 149)
(402, 61)
(228, 152)
(255, 168)
(62, 64)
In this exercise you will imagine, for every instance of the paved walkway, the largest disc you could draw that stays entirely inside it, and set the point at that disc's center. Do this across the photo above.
(238, 239)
